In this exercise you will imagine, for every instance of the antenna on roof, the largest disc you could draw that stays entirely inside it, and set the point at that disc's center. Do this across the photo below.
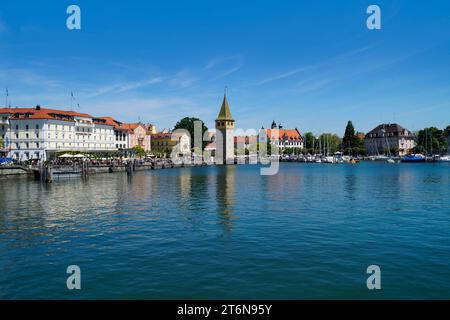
(71, 100)
(6, 98)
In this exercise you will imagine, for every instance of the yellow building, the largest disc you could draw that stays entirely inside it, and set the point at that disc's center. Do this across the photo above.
(170, 144)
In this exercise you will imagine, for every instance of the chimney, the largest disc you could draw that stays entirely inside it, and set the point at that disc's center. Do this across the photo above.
(38, 107)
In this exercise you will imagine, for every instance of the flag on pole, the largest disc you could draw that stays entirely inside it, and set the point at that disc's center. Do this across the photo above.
(7, 92)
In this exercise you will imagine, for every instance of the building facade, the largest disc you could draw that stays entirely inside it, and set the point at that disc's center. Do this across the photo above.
(165, 144)
(138, 136)
(284, 138)
(38, 133)
(224, 135)
(121, 133)
(389, 138)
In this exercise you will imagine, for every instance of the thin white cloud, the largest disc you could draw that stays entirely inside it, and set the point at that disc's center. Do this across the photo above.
(230, 64)
(222, 60)
(154, 110)
(228, 72)
(27, 77)
(310, 86)
(183, 79)
(284, 75)
(124, 87)
(299, 70)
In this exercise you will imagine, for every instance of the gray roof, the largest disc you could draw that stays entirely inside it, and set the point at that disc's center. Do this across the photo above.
(389, 128)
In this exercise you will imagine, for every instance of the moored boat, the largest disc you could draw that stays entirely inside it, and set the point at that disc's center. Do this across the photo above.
(414, 158)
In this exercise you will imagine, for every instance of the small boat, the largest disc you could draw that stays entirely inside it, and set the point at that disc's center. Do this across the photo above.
(414, 158)
(380, 158)
(390, 160)
(329, 159)
(444, 159)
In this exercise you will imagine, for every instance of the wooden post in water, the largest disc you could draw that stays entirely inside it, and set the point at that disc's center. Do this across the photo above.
(84, 170)
(129, 168)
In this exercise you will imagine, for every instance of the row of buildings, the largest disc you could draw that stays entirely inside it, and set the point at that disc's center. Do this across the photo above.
(40, 133)
(225, 143)
(384, 139)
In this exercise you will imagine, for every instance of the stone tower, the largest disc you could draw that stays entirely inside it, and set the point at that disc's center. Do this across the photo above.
(225, 135)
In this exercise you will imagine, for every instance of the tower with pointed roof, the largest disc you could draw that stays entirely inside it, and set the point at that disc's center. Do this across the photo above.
(224, 134)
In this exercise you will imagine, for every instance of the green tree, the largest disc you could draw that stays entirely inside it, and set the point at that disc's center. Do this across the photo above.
(351, 143)
(330, 142)
(268, 147)
(447, 131)
(309, 140)
(188, 124)
(447, 136)
(432, 140)
(140, 152)
(349, 138)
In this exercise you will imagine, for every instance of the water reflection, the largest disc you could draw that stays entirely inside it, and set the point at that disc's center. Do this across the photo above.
(225, 195)
(139, 237)
(350, 186)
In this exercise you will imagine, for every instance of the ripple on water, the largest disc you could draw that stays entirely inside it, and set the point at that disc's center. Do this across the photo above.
(227, 232)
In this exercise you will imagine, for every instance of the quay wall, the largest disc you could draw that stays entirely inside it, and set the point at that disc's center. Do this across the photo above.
(9, 172)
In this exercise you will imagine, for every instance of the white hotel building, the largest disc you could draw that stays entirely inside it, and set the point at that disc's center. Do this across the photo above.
(37, 133)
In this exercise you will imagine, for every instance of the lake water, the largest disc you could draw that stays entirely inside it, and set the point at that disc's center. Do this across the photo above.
(308, 232)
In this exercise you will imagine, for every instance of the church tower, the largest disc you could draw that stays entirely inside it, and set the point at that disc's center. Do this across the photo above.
(225, 135)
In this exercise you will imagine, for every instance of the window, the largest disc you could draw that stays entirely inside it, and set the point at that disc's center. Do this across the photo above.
(37, 127)
(27, 127)
(17, 127)
(27, 136)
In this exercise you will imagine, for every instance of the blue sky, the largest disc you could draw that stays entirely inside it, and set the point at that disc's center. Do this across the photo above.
(307, 64)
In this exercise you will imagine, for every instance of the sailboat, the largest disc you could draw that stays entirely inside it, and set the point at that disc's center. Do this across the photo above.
(389, 159)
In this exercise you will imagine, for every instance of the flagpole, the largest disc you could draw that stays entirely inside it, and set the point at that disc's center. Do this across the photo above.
(9, 123)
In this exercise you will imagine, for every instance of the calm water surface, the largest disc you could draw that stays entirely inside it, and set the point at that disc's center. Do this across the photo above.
(227, 232)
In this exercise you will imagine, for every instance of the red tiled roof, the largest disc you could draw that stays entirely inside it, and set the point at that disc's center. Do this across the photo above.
(162, 135)
(131, 126)
(43, 113)
(285, 134)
